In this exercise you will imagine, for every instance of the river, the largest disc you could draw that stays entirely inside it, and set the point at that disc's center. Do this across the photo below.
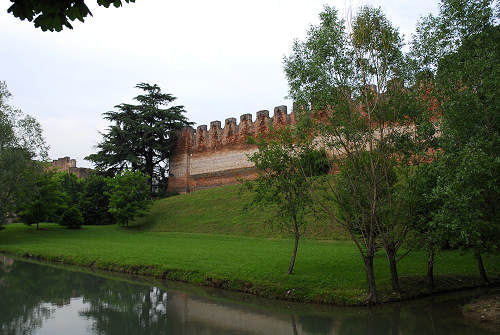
(51, 300)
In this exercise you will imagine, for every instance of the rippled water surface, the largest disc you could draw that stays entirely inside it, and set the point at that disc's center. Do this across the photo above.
(42, 299)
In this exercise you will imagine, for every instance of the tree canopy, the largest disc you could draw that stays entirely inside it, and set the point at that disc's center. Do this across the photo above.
(53, 15)
(466, 84)
(141, 136)
(129, 196)
(44, 201)
(351, 88)
(21, 141)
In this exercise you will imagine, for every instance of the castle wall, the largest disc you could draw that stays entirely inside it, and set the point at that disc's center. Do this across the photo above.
(67, 164)
(218, 156)
(64, 163)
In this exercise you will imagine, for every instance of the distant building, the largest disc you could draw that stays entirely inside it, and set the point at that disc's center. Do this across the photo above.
(69, 165)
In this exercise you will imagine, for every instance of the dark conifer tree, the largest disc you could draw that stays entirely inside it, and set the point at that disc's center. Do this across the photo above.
(141, 136)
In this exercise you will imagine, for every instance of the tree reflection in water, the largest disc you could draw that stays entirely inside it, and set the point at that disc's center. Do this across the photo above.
(22, 299)
(31, 294)
(117, 310)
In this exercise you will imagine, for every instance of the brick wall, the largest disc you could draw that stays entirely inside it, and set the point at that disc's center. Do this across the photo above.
(217, 156)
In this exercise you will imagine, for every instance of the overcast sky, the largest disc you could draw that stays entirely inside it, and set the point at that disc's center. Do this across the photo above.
(221, 58)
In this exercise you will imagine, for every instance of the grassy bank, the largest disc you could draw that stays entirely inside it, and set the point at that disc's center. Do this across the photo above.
(221, 210)
(325, 271)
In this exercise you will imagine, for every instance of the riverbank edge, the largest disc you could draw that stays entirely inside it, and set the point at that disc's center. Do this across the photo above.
(485, 311)
(417, 285)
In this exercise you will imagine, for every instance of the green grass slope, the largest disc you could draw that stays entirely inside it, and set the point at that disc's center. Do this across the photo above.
(222, 210)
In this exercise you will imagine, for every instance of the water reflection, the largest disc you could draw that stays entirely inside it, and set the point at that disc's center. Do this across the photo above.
(126, 309)
(39, 299)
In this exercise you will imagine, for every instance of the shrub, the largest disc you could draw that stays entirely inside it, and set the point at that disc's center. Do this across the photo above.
(72, 218)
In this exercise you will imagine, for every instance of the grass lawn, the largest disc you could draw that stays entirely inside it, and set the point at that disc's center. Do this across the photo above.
(325, 271)
(222, 210)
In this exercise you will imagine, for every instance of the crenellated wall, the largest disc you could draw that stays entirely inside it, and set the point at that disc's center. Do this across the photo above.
(219, 156)
(67, 164)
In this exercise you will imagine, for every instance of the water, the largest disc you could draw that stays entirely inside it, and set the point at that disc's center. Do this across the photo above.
(42, 299)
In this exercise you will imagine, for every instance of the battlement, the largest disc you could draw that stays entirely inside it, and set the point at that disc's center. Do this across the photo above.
(208, 157)
(67, 164)
(64, 163)
(232, 135)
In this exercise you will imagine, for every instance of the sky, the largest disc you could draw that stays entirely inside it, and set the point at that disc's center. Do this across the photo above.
(220, 58)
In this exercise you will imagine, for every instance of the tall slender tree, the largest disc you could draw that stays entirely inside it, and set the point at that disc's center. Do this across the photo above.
(281, 162)
(21, 141)
(352, 85)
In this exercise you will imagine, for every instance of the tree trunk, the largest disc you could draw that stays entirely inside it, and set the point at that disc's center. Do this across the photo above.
(480, 265)
(430, 269)
(391, 255)
(37, 226)
(370, 278)
(297, 236)
(149, 167)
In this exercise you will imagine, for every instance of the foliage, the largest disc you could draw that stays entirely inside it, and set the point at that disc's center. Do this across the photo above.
(425, 232)
(142, 136)
(129, 196)
(466, 83)
(15, 167)
(18, 130)
(72, 218)
(438, 36)
(44, 201)
(314, 161)
(280, 164)
(94, 200)
(421, 182)
(353, 188)
(55, 14)
(72, 186)
(470, 190)
(350, 87)
(21, 140)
